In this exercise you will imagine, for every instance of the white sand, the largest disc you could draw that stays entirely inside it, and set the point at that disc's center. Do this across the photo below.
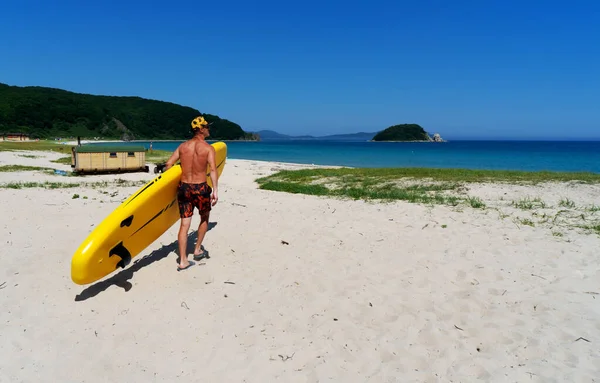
(360, 292)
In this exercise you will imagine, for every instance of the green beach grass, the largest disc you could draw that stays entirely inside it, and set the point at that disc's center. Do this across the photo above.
(63, 160)
(23, 168)
(157, 156)
(69, 185)
(421, 185)
(42, 145)
(444, 187)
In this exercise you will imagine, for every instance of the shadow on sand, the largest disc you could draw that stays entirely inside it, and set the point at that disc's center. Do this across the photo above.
(122, 278)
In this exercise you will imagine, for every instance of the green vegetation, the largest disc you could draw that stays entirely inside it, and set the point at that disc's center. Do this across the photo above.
(41, 145)
(475, 202)
(529, 203)
(157, 156)
(43, 185)
(593, 208)
(48, 113)
(413, 185)
(403, 132)
(565, 202)
(418, 185)
(444, 186)
(22, 168)
(67, 185)
(27, 168)
(527, 222)
(63, 160)
(381, 176)
(365, 189)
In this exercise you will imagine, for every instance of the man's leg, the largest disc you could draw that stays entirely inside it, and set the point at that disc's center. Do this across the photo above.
(182, 240)
(202, 228)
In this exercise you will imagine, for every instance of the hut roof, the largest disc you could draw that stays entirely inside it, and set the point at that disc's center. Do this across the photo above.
(107, 149)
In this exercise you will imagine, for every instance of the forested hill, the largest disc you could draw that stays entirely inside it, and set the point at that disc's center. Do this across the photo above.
(49, 112)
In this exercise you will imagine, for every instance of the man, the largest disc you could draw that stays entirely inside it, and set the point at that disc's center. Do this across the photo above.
(193, 191)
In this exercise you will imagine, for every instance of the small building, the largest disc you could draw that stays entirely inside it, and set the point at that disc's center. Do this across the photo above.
(15, 137)
(108, 159)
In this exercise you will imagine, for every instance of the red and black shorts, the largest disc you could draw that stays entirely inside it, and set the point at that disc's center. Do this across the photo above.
(190, 196)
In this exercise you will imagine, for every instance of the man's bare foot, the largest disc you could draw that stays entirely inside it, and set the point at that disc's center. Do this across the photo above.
(184, 266)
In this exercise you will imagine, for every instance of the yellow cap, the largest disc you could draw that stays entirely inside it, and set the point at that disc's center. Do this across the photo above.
(199, 122)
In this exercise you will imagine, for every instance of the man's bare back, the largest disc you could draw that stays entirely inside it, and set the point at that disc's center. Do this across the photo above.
(194, 155)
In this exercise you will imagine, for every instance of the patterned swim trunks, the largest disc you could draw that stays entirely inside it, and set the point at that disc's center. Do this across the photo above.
(190, 196)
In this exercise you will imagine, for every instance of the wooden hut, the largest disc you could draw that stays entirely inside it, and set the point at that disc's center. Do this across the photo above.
(111, 159)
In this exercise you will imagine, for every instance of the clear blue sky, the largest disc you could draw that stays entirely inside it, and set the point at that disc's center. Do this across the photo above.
(465, 69)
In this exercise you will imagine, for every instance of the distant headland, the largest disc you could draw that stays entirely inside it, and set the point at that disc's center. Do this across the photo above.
(272, 135)
(395, 133)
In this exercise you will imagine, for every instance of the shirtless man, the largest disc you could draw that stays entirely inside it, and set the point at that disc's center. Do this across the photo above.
(193, 191)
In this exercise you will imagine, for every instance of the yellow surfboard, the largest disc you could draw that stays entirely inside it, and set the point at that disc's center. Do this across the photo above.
(133, 225)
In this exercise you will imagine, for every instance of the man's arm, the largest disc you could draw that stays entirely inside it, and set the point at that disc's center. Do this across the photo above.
(213, 175)
(171, 161)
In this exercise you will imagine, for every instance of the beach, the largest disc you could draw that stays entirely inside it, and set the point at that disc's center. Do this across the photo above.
(302, 288)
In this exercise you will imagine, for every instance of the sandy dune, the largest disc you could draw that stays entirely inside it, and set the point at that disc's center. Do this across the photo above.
(300, 289)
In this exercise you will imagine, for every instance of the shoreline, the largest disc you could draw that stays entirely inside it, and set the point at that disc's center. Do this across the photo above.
(501, 157)
(301, 287)
(448, 169)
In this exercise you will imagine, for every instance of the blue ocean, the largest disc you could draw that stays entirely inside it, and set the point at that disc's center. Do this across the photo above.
(506, 155)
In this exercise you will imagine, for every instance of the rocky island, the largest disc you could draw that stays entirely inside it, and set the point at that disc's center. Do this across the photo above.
(406, 132)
